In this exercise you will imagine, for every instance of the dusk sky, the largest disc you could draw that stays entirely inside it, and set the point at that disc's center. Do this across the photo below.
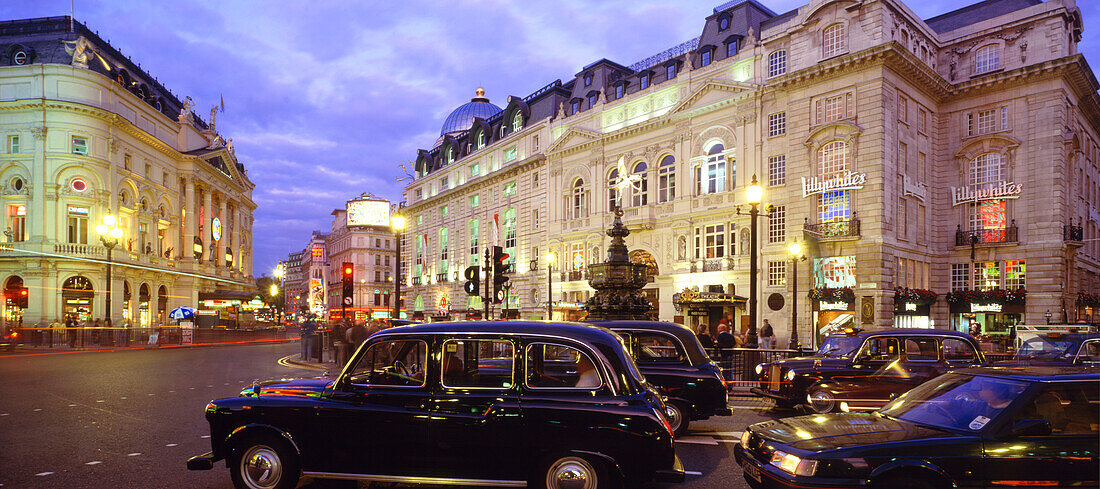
(324, 99)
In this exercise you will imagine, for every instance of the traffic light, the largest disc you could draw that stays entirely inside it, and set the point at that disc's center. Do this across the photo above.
(21, 301)
(349, 283)
(473, 281)
(499, 278)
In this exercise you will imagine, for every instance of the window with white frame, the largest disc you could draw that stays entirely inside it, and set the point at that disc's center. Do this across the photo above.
(444, 251)
(777, 224)
(13, 144)
(666, 179)
(711, 176)
(475, 233)
(1014, 274)
(777, 273)
(987, 58)
(715, 241)
(510, 230)
(777, 124)
(834, 40)
(777, 170)
(612, 190)
(475, 200)
(777, 62)
(510, 188)
(704, 58)
(835, 108)
(580, 206)
(987, 170)
(987, 275)
(640, 190)
(834, 206)
(833, 158)
(517, 121)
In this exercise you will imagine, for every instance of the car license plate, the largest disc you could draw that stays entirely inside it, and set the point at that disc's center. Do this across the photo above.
(751, 470)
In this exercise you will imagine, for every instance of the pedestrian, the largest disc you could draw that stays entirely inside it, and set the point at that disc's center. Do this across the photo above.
(704, 337)
(357, 335)
(306, 333)
(55, 328)
(725, 342)
(109, 331)
(97, 327)
(70, 332)
(767, 336)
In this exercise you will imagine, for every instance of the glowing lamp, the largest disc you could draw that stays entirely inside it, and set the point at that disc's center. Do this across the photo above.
(754, 193)
(795, 249)
(550, 257)
(398, 223)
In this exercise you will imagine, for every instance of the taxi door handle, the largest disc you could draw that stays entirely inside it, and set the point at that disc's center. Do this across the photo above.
(416, 407)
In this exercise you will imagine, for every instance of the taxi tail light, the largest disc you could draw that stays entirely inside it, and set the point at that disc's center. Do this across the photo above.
(664, 420)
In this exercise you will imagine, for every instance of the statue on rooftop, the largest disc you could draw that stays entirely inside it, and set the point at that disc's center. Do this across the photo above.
(79, 49)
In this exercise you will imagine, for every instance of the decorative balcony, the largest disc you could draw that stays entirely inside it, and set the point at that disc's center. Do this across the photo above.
(442, 277)
(643, 217)
(574, 275)
(1006, 234)
(833, 231)
(416, 280)
(1074, 235)
(713, 264)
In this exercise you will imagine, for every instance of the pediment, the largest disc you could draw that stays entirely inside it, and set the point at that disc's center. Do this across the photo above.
(712, 92)
(574, 136)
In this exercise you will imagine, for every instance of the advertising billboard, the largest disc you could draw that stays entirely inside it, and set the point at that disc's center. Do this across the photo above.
(316, 296)
(835, 272)
(368, 213)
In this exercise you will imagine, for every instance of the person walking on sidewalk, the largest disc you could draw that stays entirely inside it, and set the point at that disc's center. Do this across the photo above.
(767, 336)
(357, 335)
(55, 328)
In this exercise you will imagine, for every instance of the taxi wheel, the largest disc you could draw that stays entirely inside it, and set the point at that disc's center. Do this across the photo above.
(264, 462)
(574, 472)
(679, 416)
(822, 401)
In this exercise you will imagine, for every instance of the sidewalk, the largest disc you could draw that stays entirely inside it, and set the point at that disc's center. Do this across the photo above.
(332, 367)
(25, 348)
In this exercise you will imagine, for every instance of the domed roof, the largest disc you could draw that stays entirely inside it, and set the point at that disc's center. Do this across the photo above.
(462, 118)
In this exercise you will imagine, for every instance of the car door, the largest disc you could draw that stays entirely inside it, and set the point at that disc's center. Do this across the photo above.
(376, 420)
(877, 372)
(476, 424)
(959, 353)
(1067, 456)
(921, 360)
(663, 362)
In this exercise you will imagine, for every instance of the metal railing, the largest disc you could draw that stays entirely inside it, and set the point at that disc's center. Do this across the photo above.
(738, 365)
(1007, 234)
(834, 229)
(1074, 233)
(90, 337)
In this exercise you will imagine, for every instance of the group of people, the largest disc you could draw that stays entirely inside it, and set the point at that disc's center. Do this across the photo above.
(354, 333)
(74, 331)
(728, 337)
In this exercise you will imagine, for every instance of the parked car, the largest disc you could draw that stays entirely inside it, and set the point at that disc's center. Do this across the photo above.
(884, 364)
(10, 339)
(540, 404)
(975, 427)
(672, 359)
(1058, 349)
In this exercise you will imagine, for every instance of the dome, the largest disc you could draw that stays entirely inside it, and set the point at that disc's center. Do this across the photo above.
(462, 118)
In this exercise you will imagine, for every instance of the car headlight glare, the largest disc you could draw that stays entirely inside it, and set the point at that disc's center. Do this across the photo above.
(793, 465)
(790, 375)
(759, 368)
(745, 435)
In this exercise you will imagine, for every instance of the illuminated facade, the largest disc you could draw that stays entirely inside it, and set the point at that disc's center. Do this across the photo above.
(956, 154)
(361, 235)
(87, 133)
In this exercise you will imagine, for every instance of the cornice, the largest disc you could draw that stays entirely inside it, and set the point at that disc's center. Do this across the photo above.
(481, 183)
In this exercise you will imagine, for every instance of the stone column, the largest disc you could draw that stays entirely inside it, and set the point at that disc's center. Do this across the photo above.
(207, 218)
(36, 211)
(236, 236)
(188, 218)
(219, 249)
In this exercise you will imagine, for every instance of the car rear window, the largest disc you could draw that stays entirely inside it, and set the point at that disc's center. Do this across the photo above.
(921, 350)
(559, 366)
(656, 348)
(485, 364)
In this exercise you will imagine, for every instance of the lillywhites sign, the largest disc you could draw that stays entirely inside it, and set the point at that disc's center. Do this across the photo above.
(985, 307)
(845, 181)
(914, 188)
(966, 195)
(833, 306)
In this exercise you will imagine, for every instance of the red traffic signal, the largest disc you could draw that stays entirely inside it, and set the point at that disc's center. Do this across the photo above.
(348, 269)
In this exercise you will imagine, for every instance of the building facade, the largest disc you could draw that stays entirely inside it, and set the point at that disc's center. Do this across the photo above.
(937, 172)
(88, 134)
(293, 286)
(361, 235)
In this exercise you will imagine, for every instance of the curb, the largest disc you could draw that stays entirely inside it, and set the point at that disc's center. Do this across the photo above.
(297, 360)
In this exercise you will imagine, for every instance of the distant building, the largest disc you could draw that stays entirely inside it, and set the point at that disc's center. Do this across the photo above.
(938, 172)
(86, 133)
(293, 287)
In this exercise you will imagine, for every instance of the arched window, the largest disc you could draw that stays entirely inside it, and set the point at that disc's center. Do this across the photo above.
(833, 158)
(580, 206)
(418, 303)
(517, 121)
(711, 176)
(987, 58)
(666, 179)
(834, 40)
(777, 62)
(640, 191)
(612, 192)
(480, 139)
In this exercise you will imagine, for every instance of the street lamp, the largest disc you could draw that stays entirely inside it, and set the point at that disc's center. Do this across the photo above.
(1048, 315)
(109, 233)
(754, 194)
(550, 258)
(280, 271)
(398, 225)
(796, 256)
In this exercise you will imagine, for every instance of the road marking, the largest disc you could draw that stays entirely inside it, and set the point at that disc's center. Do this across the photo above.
(101, 400)
(728, 433)
(697, 440)
(94, 462)
(210, 385)
(170, 445)
(692, 472)
(171, 391)
(227, 383)
(150, 394)
(192, 388)
(37, 410)
(748, 407)
(133, 454)
(72, 405)
(40, 474)
(5, 414)
(124, 397)
(205, 436)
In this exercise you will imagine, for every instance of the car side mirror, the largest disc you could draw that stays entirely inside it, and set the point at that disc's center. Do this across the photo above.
(1030, 427)
(894, 395)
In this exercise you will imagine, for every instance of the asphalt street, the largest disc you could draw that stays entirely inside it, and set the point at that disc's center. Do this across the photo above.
(132, 418)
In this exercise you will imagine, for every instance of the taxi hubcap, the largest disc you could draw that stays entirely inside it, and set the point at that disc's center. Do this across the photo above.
(571, 473)
(261, 468)
(822, 401)
(675, 417)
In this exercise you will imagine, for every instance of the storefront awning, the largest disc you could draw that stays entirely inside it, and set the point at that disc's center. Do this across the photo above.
(692, 298)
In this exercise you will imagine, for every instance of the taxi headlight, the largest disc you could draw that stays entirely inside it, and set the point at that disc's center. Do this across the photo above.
(759, 368)
(790, 376)
(794, 465)
(745, 435)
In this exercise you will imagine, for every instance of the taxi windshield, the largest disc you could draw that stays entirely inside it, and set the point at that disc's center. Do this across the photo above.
(956, 401)
(838, 345)
(1045, 347)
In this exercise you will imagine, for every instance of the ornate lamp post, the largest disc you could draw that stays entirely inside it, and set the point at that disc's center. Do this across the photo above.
(280, 271)
(754, 194)
(398, 225)
(796, 256)
(109, 233)
(550, 258)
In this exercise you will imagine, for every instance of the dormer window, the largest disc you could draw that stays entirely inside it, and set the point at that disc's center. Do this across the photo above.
(670, 71)
(704, 58)
(643, 81)
(731, 47)
(619, 91)
(576, 106)
(587, 79)
(480, 139)
(593, 96)
(987, 58)
(517, 121)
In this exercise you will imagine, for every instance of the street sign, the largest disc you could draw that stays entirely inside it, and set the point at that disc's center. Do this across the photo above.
(347, 301)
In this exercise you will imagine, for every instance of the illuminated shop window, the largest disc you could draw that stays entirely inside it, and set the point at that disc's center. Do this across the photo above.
(987, 275)
(1014, 274)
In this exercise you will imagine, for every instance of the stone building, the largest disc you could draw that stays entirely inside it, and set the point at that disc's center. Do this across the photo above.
(361, 235)
(87, 133)
(937, 172)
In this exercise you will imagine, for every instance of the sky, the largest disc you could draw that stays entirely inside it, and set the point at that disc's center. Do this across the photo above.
(324, 99)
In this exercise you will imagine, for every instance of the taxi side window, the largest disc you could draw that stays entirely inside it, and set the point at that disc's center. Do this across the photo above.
(558, 366)
(1089, 353)
(656, 348)
(959, 351)
(1072, 408)
(485, 364)
(921, 350)
(391, 363)
(879, 350)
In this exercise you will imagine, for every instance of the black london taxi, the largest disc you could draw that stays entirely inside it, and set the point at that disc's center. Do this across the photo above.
(1057, 349)
(672, 359)
(975, 427)
(874, 367)
(509, 404)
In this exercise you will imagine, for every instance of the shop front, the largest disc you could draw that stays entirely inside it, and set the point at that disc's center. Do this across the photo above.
(832, 313)
(912, 308)
(76, 298)
(704, 310)
(991, 313)
(228, 309)
(1087, 308)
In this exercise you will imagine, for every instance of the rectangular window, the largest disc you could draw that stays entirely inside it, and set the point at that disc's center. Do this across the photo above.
(509, 189)
(777, 63)
(666, 183)
(643, 82)
(474, 231)
(731, 49)
(903, 160)
(475, 200)
(474, 170)
(903, 109)
(535, 221)
(444, 184)
(377, 365)
(1014, 274)
(922, 120)
(987, 275)
(78, 227)
(922, 166)
(715, 241)
(777, 124)
(534, 180)
(510, 154)
(704, 58)
(13, 144)
(835, 108)
(80, 145)
(777, 224)
(777, 273)
(987, 121)
(17, 221)
(670, 71)
(903, 209)
(444, 211)
(777, 170)
(510, 232)
(535, 143)
(619, 91)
